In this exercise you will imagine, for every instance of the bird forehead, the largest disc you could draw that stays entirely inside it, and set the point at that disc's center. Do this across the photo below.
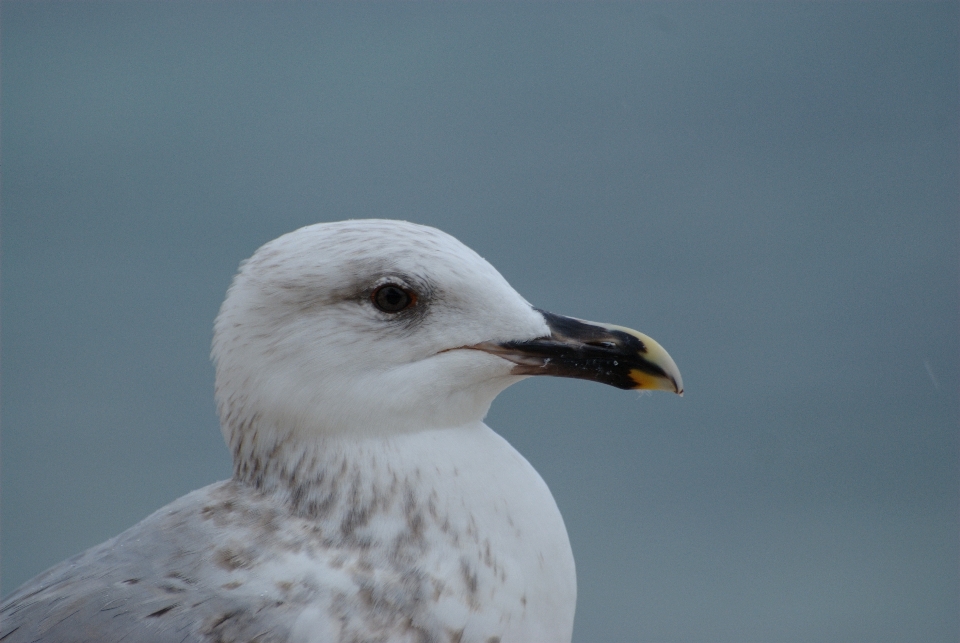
(345, 240)
(352, 255)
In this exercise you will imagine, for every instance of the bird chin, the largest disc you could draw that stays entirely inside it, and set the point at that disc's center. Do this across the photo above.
(468, 368)
(449, 389)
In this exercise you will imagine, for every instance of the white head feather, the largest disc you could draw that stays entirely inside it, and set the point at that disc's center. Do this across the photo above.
(302, 353)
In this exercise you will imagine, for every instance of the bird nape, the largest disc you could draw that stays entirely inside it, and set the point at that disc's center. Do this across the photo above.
(355, 362)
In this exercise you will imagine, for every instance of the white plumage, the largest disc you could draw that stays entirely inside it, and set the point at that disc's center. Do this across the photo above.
(369, 501)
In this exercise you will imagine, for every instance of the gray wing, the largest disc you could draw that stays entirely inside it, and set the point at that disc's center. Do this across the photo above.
(228, 564)
(158, 582)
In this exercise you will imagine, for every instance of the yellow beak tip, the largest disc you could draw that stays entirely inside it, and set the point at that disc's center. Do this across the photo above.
(652, 382)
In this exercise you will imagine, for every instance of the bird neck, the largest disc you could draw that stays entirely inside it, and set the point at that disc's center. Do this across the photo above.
(329, 476)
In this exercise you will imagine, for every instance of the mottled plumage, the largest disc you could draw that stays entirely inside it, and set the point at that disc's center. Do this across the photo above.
(369, 502)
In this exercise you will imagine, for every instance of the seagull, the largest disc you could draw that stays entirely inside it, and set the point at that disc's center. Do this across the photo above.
(355, 362)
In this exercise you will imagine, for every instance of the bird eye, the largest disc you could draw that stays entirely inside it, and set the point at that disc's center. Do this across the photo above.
(391, 298)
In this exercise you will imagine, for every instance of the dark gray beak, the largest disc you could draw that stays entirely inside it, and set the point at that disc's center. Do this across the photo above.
(604, 353)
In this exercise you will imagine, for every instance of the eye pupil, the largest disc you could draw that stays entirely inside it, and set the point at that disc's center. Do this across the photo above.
(392, 299)
(392, 296)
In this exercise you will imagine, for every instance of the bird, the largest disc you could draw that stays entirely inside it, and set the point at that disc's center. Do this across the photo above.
(355, 362)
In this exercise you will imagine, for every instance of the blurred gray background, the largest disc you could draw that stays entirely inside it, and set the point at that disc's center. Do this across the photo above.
(768, 189)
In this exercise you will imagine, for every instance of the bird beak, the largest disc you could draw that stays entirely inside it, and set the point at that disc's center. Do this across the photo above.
(587, 350)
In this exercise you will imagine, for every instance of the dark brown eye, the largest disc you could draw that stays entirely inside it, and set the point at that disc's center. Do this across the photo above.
(391, 298)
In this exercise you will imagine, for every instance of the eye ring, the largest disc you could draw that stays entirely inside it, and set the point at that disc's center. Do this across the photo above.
(393, 298)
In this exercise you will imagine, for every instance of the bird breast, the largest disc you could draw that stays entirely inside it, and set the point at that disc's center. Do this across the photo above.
(449, 532)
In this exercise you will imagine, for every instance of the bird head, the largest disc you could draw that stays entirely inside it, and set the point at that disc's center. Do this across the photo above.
(377, 326)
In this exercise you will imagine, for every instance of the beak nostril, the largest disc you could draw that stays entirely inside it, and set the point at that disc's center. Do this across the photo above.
(607, 345)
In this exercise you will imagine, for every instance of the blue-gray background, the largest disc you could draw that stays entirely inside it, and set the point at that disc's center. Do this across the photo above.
(770, 190)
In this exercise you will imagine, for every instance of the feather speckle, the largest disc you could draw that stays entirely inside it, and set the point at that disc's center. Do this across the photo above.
(369, 502)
